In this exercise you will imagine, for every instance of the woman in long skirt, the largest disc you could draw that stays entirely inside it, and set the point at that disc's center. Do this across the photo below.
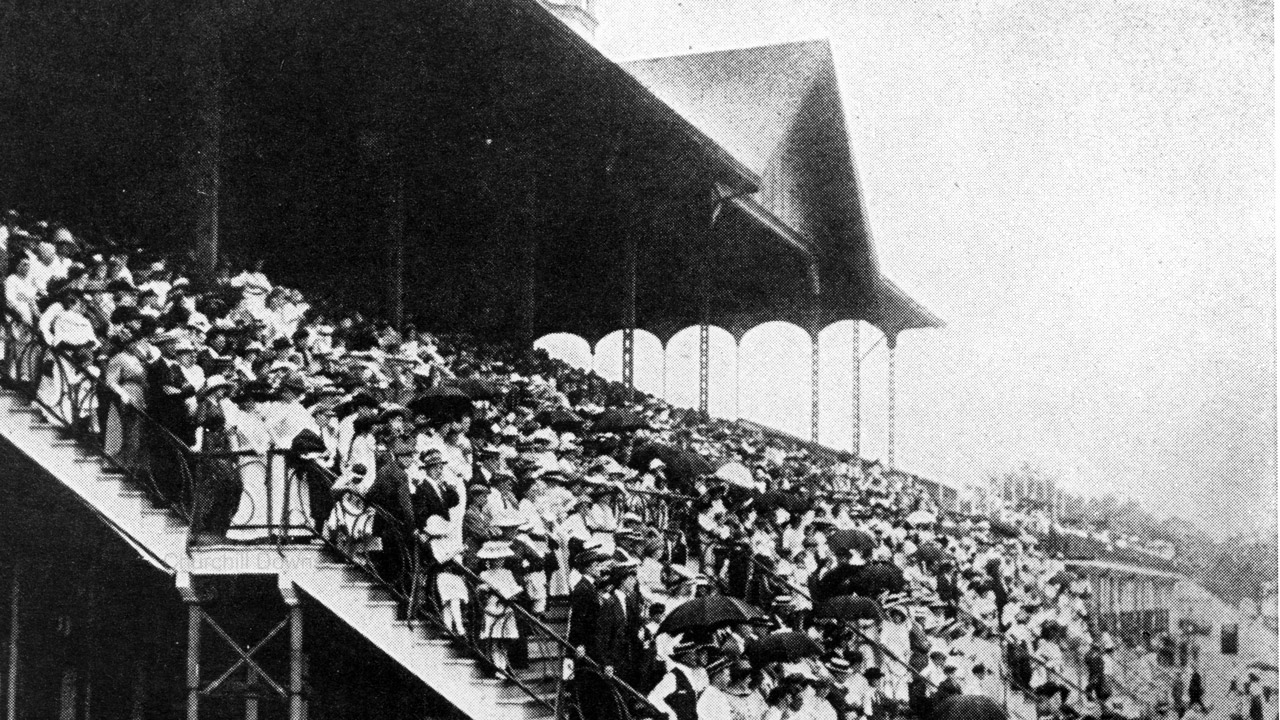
(253, 515)
(126, 376)
(500, 584)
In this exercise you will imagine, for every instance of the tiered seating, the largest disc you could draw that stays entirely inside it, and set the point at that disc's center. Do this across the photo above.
(757, 502)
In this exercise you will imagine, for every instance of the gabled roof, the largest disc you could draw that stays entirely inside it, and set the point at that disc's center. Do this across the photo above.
(777, 110)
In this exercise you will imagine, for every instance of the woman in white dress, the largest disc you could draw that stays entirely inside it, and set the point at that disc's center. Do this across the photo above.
(22, 297)
(63, 390)
(252, 439)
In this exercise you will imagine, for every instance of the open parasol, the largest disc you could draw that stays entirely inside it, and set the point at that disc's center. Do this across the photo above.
(782, 647)
(708, 613)
(615, 420)
(847, 607)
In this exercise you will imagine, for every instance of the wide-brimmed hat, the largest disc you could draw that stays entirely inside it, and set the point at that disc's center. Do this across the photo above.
(216, 382)
(432, 456)
(506, 519)
(495, 550)
(436, 526)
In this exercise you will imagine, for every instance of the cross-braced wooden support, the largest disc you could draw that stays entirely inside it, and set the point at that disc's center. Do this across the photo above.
(198, 619)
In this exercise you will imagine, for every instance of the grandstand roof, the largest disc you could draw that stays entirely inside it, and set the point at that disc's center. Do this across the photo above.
(506, 140)
(777, 109)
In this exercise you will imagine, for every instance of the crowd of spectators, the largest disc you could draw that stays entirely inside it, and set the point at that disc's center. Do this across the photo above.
(480, 477)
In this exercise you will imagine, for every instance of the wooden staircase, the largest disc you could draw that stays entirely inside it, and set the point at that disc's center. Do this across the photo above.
(159, 535)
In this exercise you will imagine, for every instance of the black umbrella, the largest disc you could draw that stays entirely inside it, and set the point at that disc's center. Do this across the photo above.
(782, 647)
(681, 464)
(931, 552)
(969, 707)
(1001, 527)
(615, 420)
(847, 607)
(560, 420)
(850, 539)
(708, 613)
(480, 389)
(440, 399)
(793, 503)
(877, 578)
(839, 580)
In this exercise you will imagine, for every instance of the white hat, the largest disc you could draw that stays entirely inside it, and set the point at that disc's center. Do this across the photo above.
(506, 519)
(437, 526)
(547, 436)
(213, 383)
(495, 550)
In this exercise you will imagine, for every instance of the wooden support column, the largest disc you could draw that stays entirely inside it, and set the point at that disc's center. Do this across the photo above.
(893, 344)
(814, 373)
(205, 73)
(193, 660)
(297, 702)
(631, 268)
(704, 312)
(529, 288)
(857, 391)
(395, 220)
(704, 369)
(15, 633)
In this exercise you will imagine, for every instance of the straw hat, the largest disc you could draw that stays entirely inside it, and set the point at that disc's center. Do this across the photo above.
(495, 550)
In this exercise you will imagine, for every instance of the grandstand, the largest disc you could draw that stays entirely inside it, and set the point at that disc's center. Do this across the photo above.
(500, 180)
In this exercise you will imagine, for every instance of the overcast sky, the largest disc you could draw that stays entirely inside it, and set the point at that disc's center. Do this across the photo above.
(1084, 191)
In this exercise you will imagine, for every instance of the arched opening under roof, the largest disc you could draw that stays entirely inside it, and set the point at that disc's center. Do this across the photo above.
(770, 352)
(683, 376)
(649, 360)
(571, 349)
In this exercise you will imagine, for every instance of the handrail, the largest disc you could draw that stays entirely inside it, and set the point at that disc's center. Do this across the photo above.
(515, 607)
(877, 644)
(26, 353)
(565, 644)
(389, 585)
(30, 357)
(1049, 670)
(80, 398)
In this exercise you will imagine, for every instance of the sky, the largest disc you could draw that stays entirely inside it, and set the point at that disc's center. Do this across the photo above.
(1083, 190)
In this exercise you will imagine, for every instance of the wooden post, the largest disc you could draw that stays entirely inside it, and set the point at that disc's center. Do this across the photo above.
(15, 630)
(631, 261)
(193, 660)
(395, 241)
(857, 392)
(297, 704)
(206, 74)
(893, 345)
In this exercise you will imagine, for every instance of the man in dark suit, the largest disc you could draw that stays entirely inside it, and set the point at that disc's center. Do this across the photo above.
(395, 522)
(431, 496)
(620, 621)
(170, 443)
(591, 686)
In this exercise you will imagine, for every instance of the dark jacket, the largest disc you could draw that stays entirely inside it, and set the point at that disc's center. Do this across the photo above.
(584, 619)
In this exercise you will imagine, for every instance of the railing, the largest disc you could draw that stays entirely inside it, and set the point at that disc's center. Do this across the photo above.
(71, 393)
(1006, 675)
(422, 605)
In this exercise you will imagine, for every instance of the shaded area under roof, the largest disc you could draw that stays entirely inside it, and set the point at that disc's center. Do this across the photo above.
(505, 140)
(777, 110)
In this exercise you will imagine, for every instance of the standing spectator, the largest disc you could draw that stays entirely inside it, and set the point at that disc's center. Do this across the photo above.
(126, 376)
(497, 590)
(217, 481)
(170, 437)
